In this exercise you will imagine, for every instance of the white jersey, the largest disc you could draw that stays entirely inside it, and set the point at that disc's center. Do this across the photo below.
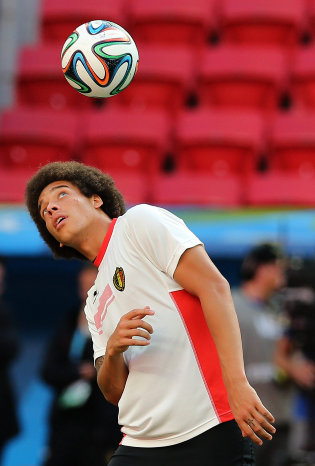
(174, 390)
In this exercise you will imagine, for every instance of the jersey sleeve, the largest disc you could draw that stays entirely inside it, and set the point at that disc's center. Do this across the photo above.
(160, 235)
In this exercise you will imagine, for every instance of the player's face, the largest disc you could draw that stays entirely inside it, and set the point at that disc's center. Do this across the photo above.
(66, 212)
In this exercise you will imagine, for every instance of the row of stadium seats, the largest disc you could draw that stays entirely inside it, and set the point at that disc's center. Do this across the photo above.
(195, 189)
(173, 77)
(192, 23)
(203, 105)
(203, 140)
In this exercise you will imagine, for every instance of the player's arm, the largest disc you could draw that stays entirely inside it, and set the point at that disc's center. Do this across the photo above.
(112, 372)
(197, 274)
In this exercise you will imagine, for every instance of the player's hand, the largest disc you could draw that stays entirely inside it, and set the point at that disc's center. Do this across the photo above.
(131, 326)
(254, 420)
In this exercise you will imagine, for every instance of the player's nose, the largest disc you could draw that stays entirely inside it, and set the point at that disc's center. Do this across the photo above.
(52, 207)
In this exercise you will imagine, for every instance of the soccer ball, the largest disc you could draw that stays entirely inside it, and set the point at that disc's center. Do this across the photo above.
(99, 59)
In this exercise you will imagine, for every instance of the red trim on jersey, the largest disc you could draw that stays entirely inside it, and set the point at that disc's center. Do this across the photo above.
(124, 435)
(205, 351)
(101, 253)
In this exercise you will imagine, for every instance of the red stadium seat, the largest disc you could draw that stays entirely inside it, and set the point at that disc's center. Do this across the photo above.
(242, 77)
(29, 137)
(13, 184)
(197, 189)
(166, 22)
(219, 142)
(134, 187)
(163, 80)
(292, 144)
(40, 80)
(303, 78)
(311, 17)
(59, 18)
(280, 189)
(126, 141)
(263, 21)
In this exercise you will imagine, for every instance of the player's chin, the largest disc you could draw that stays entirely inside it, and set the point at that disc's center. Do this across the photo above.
(62, 236)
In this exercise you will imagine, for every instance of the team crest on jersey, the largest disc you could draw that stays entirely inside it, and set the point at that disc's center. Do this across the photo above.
(119, 279)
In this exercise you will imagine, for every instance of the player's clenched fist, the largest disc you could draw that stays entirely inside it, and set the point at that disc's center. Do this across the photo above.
(131, 326)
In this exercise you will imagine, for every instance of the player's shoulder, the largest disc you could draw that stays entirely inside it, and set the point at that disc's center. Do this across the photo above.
(141, 209)
(142, 212)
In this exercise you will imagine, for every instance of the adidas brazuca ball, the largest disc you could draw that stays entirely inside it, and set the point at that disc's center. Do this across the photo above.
(99, 59)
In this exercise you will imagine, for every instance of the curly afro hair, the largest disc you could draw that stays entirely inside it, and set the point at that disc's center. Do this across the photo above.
(89, 180)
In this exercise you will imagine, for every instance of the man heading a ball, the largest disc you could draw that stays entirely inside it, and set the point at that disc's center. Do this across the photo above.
(166, 339)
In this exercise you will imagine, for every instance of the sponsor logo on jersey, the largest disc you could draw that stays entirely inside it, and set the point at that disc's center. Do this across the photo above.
(119, 279)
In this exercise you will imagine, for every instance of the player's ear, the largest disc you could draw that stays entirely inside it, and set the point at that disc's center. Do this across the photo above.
(97, 201)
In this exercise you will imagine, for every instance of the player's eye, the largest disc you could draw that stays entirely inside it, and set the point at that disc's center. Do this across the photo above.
(62, 194)
(44, 212)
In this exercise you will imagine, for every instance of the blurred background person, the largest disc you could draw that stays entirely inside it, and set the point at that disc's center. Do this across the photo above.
(295, 354)
(83, 425)
(9, 425)
(258, 310)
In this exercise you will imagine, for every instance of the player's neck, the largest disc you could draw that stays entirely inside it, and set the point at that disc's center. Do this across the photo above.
(90, 243)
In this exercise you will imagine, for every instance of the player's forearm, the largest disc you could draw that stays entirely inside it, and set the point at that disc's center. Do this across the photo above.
(223, 324)
(112, 376)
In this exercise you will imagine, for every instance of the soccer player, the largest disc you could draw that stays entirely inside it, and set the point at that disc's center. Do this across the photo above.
(166, 339)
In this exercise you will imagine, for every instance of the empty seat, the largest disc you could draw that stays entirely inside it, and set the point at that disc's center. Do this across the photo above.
(219, 142)
(166, 22)
(263, 21)
(40, 80)
(240, 76)
(126, 141)
(303, 77)
(13, 183)
(311, 17)
(29, 138)
(134, 187)
(60, 18)
(292, 144)
(163, 80)
(280, 189)
(197, 189)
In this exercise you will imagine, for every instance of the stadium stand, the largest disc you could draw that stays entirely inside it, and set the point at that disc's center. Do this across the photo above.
(164, 22)
(242, 76)
(219, 142)
(265, 22)
(310, 17)
(164, 80)
(292, 143)
(137, 145)
(280, 189)
(40, 81)
(60, 18)
(201, 189)
(13, 184)
(134, 187)
(302, 77)
(29, 137)
(241, 66)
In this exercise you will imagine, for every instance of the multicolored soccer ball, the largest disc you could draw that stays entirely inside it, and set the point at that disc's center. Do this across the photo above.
(99, 59)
